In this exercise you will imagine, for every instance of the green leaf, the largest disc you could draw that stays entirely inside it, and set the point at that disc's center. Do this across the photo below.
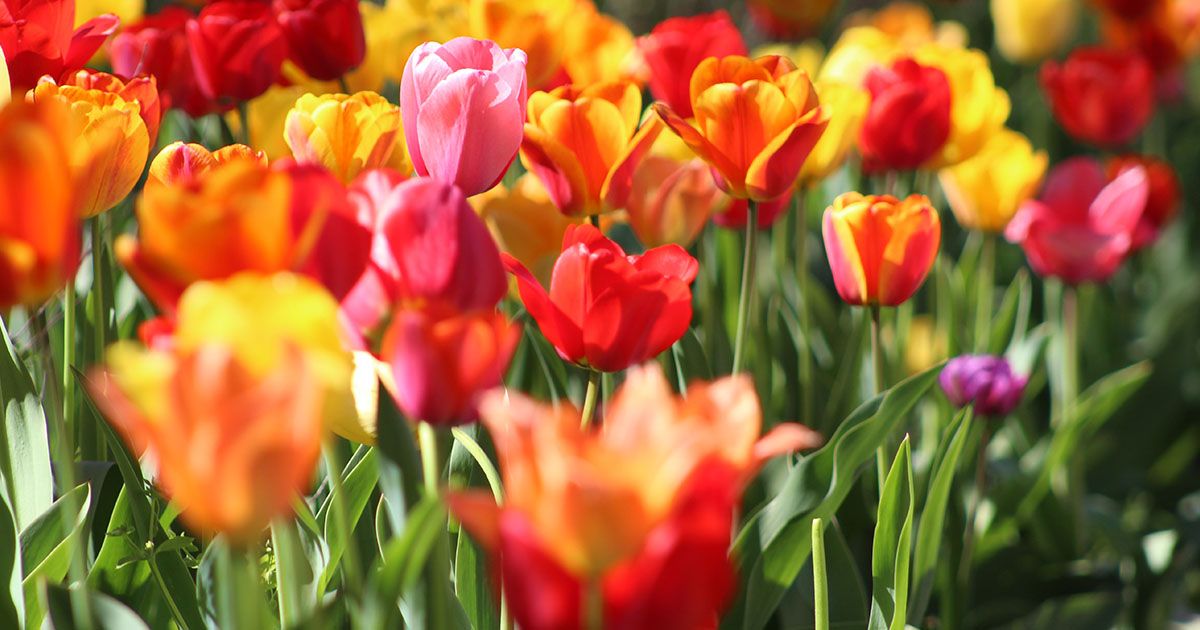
(298, 563)
(1012, 318)
(400, 466)
(933, 516)
(25, 452)
(358, 483)
(892, 548)
(775, 544)
(406, 556)
(47, 544)
(107, 613)
(12, 603)
(472, 584)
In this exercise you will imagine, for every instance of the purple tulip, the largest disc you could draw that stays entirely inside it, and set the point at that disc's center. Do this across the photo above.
(986, 381)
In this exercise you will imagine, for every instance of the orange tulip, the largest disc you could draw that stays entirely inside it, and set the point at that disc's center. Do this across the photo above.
(880, 248)
(113, 146)
(585, 144)
(597, 47)
(756, 122)
(534, 26)
(143, 89)
(179, 164)
(39, 228)
(672, 200)
(640, 511)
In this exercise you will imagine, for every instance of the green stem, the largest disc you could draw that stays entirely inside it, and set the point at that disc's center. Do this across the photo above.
(100, 307)
(820, 582)
(344, 85)
(240, 593)
(590, 397)
(877, 383)
(593, 605)
(747, 293)
(243, 110)
(1070, 328)
(166, 592)
(351, 572)
(964, 565)
(805, 349)
(68, 375)
(431, 467)
(485, 463)
(986, 278)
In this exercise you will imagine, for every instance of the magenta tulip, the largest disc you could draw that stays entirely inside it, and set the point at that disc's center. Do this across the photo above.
(463, 104)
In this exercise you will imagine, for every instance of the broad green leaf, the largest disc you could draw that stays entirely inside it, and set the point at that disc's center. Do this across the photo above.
(1012, 318)
(892, 549)
(406, 556)
(107, 613)
(472, 584)
(12, 602)
(47, 544)
(400, 466)
(359, 479)
(296, 578)
(25, 452)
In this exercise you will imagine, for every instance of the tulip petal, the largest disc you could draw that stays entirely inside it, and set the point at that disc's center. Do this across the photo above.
(88, 38)
(775, 169)
(539, 590)
(706, 150)
(908, 256)
(1119, 206)
(561, 331)
(619, 182)
(479, 514)
(671, 261)
(558, 169)
(845, 260)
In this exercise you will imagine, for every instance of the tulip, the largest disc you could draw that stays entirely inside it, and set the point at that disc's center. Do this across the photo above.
(1100, 96)
(1167, 33)
(634, 515)
(1128, 9)
(1082, 226)
(857, 51)
(787, 19)
(978, 108)
(985, 382)
(180, 164)
(237, 50)
(266, 116)
(325, 36)
(535, 27)
(585, 144)
(675, 47)
(671, 200)
(1162, 198)
(1030, 30)
(756, 122)
(847, 106)
(113, 146)
(525, 223)
(880, 248)
(346, 133)
(808, 55)
(596, 48)
(908, 121)
(463, 103)
(737, 214)
(140, 89)
(429, 249)
(39, 225)
(38, 40)
(442, 363)
(157, 46)
(606, 310)
(985, 191)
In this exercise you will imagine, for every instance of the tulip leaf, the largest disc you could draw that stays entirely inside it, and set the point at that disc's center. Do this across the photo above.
(47, 544)
(1012, 318)
(775, 544)
(25, 452)
(405, 557)
(891, 552)
(933, 515)
(107, 613)
(472, 584)
(400, 466)
(359, 479)
(12, 602)
(300, 557)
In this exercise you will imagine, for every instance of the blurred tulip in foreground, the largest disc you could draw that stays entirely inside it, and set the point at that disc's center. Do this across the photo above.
(142, 89)
(637, 515)
(1031, 30)
(463, 104)
(1082, 226)
(157, 46)
(347, 134)
(1162, 199)
(985, 191)
(39, 223)
(607, 310)
(676, 46)
(847, 105)
(908, 121)
(5, 88)
(880, 248)
(237, 50)
(756, 122)
(38, 38)
(1101, 96)
(525, 223)
(325, 37)
(984, 381)
(978, 108)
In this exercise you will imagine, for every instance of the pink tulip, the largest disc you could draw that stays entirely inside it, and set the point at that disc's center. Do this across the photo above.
(429, 249)
(1082, 226)
(463, 104)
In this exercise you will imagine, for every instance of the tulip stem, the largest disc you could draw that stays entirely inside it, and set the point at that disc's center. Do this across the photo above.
(243, 110)
(805, 347)
(747, 292)
(1070, 393)
(986, 279)
(590, 397)
(877, 362)
(593, 605)
(964, 565)
(820, 582)
(344, 85)
(430, 466)
(68, 375)
(99, 308)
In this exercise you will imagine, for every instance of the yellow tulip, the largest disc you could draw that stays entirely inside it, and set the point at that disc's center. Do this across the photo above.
(597, 47)
(847, 106)
(985, 191)
(808, 55)
(857, 51)
(347, 133)
(268, 112)
(1031, 30)
(978, 107)
(525, 223)
(394, 30)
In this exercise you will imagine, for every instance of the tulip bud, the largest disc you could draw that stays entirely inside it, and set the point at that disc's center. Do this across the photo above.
(347, 134)
(1030, 30)
(880, 248)
(237, 50)
(157, 46)
(985, 382)
(38, 41)
(1104, 97)
(908, 121)
(142, 89)
(676, 46)
(671, 200)
(596, 47)
(325, 36)
(180, 164)
(985, 191)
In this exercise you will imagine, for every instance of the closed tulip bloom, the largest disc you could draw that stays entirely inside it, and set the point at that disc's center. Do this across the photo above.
(1162, 199)
(237, 50)
(985, 382)
(1100, 96)
(635, 514)
(346, 133)
(596, 48)
(534, 26)
(39, 224)
(463, 104)
(38, 39)
(671, 200)
(325, 36)
(756, 122)
(443, 362)
(985, 191)
(113, 146)
(880, 248)
(141, 89)
(676, 46)
(525, 223)
(157, 46)
(847, 106)
(786, 19)
(585, 144)
(908, 121)
(978, 108)
(607, 310)
(1082, 226)
(1028, 31)
(182, 164)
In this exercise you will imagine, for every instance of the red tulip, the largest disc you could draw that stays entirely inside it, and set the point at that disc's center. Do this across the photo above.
(739, 210)
(605, 309)
(38, 39)
(237, 50)
(157, 46)
(1100, 96)
(1162, 201)
(1128, 9)
(676, 46)
(909, 117)
(429, 248)
(1082, 227)
(325, 36)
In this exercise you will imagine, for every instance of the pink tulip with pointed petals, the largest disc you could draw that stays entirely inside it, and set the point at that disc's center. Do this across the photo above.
(463, 105)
